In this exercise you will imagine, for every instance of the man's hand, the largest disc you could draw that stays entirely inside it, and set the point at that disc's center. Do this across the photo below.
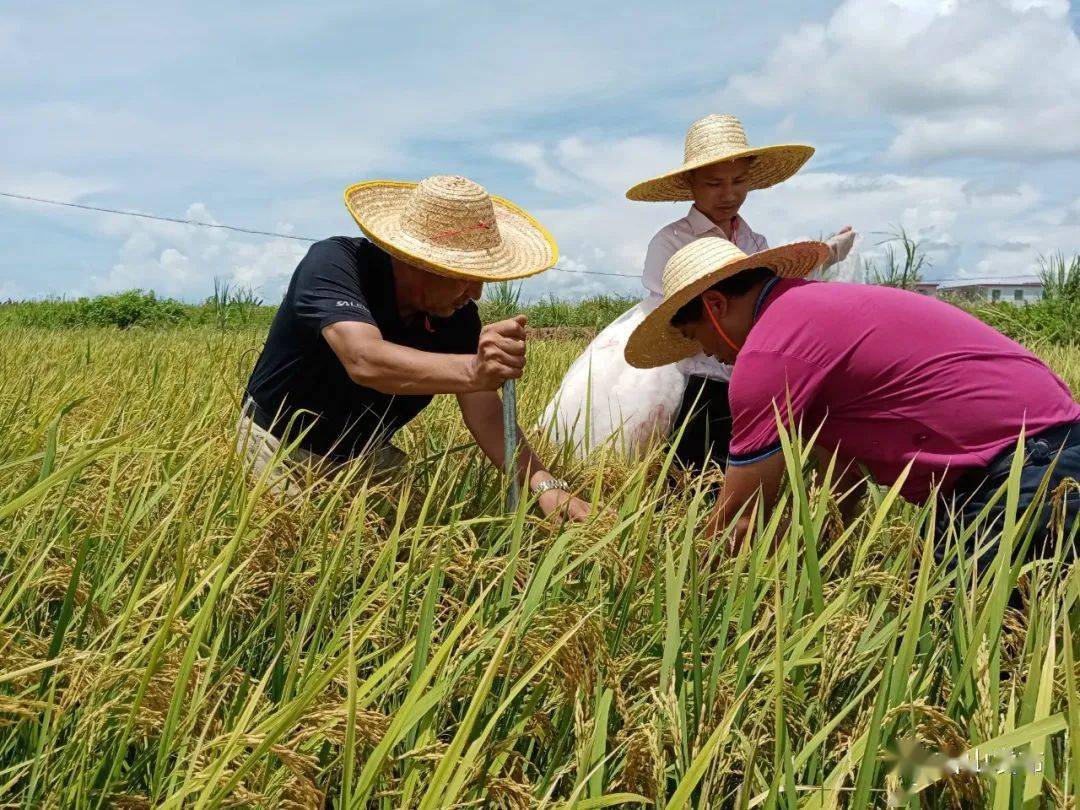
(555, 502)
(500, 355)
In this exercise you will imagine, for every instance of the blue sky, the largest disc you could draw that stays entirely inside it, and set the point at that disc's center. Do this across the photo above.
(957, 119)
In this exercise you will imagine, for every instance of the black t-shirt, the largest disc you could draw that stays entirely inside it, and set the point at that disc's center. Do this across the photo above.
(343, 279)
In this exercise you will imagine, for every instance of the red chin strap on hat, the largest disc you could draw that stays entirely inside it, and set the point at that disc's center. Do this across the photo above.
(719, 329)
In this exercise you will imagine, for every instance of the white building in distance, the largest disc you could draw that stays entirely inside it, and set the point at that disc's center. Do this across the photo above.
(1018, 290)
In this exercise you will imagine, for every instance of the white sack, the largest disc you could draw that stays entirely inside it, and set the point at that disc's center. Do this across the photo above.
(603, 398)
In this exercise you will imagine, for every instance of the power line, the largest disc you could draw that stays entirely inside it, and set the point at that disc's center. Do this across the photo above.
(255, 232)
(594, 273)
(237, 229)
(140, 215)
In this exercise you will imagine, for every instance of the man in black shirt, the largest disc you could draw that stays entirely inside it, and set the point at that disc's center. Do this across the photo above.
(370, 329)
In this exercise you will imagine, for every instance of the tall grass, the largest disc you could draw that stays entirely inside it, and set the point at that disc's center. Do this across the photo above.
(235, 305)
(173, 635)
(904, 272)
(1060, 276)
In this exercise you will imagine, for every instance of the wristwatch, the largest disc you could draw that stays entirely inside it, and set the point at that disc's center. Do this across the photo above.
(551, 483)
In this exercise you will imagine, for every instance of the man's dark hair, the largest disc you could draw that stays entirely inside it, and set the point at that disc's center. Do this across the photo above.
(733, 286)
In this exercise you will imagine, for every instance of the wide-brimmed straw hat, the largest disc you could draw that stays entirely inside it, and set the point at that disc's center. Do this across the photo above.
(690, 272)
(451, 226)
(716, 139)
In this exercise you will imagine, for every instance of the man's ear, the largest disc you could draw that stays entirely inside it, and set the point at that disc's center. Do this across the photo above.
(715, 301)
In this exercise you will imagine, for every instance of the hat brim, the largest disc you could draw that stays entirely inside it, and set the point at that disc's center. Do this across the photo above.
(773, 165)
(525, 249)
(655, 342)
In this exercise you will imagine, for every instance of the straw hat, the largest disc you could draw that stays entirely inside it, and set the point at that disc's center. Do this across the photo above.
(451, 226)
(716, 139)
(692, 270)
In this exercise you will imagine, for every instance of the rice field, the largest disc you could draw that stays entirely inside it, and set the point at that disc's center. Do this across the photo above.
(172, 635)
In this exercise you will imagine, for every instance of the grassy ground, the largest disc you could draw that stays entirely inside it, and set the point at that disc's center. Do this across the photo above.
(173, 636)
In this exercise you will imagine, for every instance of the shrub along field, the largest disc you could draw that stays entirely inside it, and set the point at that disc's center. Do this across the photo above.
(1054, 320)
(172, 635)
(232, 309)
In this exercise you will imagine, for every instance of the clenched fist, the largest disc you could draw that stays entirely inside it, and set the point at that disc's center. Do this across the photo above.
(500, 355)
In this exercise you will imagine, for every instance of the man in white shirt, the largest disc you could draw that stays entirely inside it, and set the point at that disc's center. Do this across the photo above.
(718, 171)
(682, 232)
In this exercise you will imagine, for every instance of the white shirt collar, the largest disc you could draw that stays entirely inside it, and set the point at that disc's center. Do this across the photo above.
(701, 224)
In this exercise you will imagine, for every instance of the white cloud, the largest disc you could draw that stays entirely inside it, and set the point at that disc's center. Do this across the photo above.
(51, 185)
(532, 156)
(598, 229)
(964, 230)
(42, 132)
(997, 78)
(294, 96)
(966, 227)
(590, 164)
(266, 266)
(1070, 214)
(572, 278)
(183, 260)
(274, 126)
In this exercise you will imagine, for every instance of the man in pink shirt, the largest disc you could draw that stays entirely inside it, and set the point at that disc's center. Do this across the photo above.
(892, 378)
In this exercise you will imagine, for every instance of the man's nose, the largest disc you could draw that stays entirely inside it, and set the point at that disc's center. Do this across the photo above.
(474, 290)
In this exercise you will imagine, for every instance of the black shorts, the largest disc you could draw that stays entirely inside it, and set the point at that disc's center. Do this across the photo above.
(707, 414)
(977, 487)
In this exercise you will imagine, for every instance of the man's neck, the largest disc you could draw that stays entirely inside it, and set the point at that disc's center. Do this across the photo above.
(725, 225)
(405, 289)
(745, 306)
(757, 301)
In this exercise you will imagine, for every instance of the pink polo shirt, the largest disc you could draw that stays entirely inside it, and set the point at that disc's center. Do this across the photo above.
(892, 377)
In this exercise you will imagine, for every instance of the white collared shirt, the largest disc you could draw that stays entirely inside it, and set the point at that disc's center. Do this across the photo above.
(663, 246)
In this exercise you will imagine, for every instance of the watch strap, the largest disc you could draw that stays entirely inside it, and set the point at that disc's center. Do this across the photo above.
(551, 483)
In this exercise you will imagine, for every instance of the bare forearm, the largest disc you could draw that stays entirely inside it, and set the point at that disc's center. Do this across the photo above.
(746, 489)
(482, 412)
(852, 488)
(530, 469)
(726, 511)
(487, 412)
(395, 369)
(848, 482)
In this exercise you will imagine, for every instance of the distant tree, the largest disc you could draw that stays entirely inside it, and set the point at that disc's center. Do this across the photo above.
(898, 268)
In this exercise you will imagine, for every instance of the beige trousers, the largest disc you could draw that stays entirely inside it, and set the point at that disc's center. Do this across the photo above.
(290, 473)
